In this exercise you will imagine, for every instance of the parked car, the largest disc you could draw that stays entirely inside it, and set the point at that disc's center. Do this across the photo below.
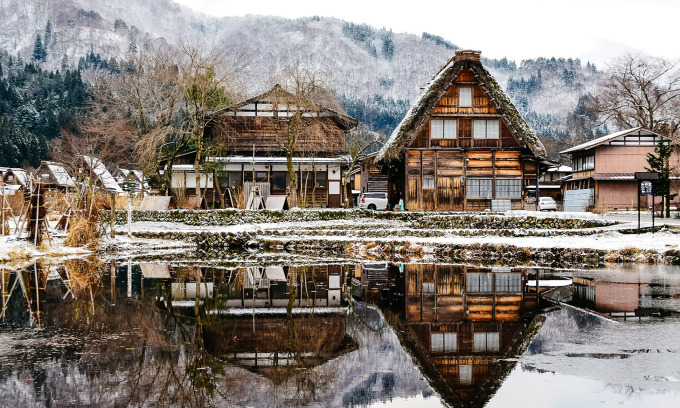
(546, 204)
(373, 201)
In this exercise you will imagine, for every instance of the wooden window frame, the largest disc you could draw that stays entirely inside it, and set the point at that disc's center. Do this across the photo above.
(469, 190)
(445, 124)
(486, 129)
(501, 192)
(460, 97)
(428, 186)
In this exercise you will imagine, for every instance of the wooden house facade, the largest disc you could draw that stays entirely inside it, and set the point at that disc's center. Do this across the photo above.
(254, 136)
(606, 167)
(462, 144)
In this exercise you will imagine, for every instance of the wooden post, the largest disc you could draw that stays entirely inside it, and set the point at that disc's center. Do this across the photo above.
(113, 215)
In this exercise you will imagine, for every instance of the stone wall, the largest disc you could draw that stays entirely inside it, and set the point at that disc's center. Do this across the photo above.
(417, 220)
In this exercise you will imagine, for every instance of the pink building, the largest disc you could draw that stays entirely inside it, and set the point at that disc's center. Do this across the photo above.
(606, 166)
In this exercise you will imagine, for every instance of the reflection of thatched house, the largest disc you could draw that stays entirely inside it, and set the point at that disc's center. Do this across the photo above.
(465, 321)
(258, 126)
(53, 175)
(462, 144)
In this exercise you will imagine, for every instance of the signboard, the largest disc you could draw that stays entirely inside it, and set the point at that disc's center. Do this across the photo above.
(646, 188)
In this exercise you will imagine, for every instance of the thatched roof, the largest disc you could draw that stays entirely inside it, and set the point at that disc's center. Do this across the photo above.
(278, 95)
(435, 90)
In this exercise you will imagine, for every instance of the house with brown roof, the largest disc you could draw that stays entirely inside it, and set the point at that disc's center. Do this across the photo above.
(605, 167)
(253, 135)
(462, 144)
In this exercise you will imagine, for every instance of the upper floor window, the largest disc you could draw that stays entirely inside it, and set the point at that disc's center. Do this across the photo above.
(486, 129)
(465, 97)
(443, 129)
(584, 163)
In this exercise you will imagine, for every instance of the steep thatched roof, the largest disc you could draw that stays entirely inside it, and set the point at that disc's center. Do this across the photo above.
(435, 90)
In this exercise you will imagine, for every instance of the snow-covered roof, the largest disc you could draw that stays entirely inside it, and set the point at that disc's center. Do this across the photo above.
(107, 180)
(435, 90)
(561, 169)
(60, 174)
(608, 138)
(20, 174)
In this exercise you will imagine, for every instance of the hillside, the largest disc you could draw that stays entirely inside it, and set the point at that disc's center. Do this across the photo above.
(375, 73)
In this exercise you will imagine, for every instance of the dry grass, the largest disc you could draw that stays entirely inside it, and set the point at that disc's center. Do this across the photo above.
(598, 209)
(83, 232)
(84, 275)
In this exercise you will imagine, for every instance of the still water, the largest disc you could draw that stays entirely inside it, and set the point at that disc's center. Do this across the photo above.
(192, 333)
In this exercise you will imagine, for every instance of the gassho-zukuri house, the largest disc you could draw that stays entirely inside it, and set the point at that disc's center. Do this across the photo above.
(462, 144)
(254, 133)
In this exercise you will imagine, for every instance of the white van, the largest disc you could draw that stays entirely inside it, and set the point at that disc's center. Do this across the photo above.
(373, 201)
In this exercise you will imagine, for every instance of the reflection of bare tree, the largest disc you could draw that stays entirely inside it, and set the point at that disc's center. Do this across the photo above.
(104, 348)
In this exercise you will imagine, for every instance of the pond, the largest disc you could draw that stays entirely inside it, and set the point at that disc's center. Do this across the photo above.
(295, 332)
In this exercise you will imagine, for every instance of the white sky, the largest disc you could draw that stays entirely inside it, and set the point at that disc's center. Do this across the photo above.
(590, 29)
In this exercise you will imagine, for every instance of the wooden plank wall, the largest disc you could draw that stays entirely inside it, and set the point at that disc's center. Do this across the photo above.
(318, 135)
(449, 169)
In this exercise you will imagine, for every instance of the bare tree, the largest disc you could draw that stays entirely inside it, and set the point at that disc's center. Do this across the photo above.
(298, 120)
(641, 91)
(205, 78)
(106, 132)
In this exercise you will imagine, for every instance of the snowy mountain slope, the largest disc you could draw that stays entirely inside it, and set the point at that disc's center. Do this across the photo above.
(361, 62)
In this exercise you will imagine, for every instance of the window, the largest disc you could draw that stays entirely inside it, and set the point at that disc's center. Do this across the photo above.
(465, 372)
(280, 179)
(444, 342)
(428, 183)
(479, 283)
(508, 282)
(320, 179)
(508, 188)
(428, 287)
(479, 188)
(486, 129)
(443, 129)
(465, 98)
(584, 163)
(486, 341)
(235, 179)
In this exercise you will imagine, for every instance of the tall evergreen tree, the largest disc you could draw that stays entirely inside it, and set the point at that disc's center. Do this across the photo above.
(39, 53)
(48, 34)
(659, 162)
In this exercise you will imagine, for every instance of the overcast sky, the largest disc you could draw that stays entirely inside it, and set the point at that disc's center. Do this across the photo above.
(592, 30)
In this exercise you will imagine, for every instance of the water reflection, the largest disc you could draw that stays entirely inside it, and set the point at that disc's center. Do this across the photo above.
(188, 335)
(465, 323)
(122, 333)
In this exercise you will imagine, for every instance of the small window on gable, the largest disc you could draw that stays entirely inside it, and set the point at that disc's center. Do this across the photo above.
(443, 129)
(465, 97)
(428, 183)
(486, 129)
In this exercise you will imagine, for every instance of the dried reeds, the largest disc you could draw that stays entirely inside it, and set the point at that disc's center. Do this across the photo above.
(83, 232)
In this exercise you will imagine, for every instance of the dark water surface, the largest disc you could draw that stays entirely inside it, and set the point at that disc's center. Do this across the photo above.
(90, 333)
